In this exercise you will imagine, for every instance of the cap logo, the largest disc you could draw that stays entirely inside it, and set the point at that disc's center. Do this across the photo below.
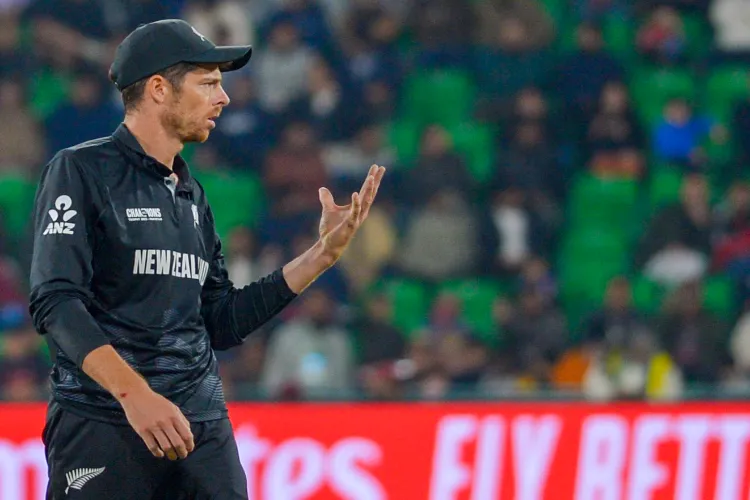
(198, 34)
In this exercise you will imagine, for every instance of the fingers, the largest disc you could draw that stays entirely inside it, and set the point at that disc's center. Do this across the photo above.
(178, 445)
(183, 429)
(370, 188)
(152, 445)
(326, 198)
(355, 212)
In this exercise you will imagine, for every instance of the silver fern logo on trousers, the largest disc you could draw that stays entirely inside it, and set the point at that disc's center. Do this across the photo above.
(79, 477)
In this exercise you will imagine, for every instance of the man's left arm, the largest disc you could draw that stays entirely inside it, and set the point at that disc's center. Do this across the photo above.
(231, 314)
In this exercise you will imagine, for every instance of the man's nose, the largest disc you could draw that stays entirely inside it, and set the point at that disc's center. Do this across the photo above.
(223, 98)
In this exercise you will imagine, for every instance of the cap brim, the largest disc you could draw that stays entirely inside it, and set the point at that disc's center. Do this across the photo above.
(229, 58)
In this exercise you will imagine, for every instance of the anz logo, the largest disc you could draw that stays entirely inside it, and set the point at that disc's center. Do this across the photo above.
(61, 215)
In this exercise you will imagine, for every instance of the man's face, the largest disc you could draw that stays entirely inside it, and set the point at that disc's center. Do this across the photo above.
(191, 111)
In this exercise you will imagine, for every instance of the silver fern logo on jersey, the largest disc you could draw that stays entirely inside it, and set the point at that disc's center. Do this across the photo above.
(62, 209)
(77, 478)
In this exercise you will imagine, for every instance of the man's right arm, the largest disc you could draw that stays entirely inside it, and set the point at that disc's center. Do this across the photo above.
(64, 218)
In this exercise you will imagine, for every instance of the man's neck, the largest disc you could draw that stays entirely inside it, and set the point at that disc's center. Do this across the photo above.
(155, 140)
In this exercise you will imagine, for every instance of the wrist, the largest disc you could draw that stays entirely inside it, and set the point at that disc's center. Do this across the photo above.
(131, 390)
(323, 256)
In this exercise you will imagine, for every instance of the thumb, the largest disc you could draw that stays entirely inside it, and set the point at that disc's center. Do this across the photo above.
(326, 198)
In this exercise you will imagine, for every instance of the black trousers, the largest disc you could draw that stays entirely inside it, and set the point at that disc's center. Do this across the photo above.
(88, 459)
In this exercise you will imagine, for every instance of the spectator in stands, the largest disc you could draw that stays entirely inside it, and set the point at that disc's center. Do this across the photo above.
(382, 348)
(639, 370)
(676, 246)
(71, 32)
(740, 127)
(617, 322)
(326, 105)
(680, 136)
(379, 101)
(597, 10)
(582, 76)
(12, 62)
(293, 173)
(463, 359)
(243, 264)
(521, 229)
(226, 21)
(311, 353)
(446, 217)
(662, 37)
(536, 275)
(694, 337)
(732, 232)
(509, 63)
(379, 341)
(536, 333)
(615, 140)
(133, 13)
(246, 131)
(22, 147)
(372, 251)
(445, 319)
(438, 165)
(347, 161)
(242, 368)
(739, 345)
(93, 114)
(310, 21)
(729, 19)
(528, 162)
(539, 26)
(286, 60)
(443, 30)
(530, 107)
(369, 41)
(23, 366)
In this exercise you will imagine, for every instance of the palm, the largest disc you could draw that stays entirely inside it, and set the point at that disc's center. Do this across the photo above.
(339, 223)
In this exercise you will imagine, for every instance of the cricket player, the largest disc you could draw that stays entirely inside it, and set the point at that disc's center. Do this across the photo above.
(130, 290)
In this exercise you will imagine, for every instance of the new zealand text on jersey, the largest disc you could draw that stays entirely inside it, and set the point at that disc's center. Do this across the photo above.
(170, 263)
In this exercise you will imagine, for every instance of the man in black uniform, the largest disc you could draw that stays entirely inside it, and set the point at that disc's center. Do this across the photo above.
(130, 289)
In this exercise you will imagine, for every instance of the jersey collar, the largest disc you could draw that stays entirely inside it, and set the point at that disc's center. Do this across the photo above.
(125, 137)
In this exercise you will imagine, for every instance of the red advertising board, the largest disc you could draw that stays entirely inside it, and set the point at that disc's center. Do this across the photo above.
(696, 451)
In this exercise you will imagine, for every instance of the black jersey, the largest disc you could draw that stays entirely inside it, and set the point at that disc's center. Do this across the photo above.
(126, 255)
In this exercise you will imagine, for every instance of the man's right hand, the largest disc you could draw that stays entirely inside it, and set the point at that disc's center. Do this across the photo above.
(159, 422)
(161, 425)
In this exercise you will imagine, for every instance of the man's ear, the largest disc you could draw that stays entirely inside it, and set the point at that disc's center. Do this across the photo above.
(158, 88)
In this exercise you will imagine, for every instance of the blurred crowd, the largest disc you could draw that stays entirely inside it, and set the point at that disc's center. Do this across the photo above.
(565, 210)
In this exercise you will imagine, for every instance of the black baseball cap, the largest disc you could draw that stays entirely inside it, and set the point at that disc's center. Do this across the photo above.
(156, 46)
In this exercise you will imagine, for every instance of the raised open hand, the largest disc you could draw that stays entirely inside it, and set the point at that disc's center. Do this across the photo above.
(339, 224)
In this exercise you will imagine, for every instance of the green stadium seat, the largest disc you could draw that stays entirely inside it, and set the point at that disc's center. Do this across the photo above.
(653, 87)
(439, 96)
(619, 33)
(588, 260)
(404, 137)
(664, 186)
(47, 91)
(647, 295)
(410, 301)
(236, 198)
(16, 204)
(557, 10)
(477, 297)
(475, 143)
(726, 86)
(611, 203)
(719, 296)
(698, 35)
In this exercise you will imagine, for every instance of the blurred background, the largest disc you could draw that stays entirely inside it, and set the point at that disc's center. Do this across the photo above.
(566, 212)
